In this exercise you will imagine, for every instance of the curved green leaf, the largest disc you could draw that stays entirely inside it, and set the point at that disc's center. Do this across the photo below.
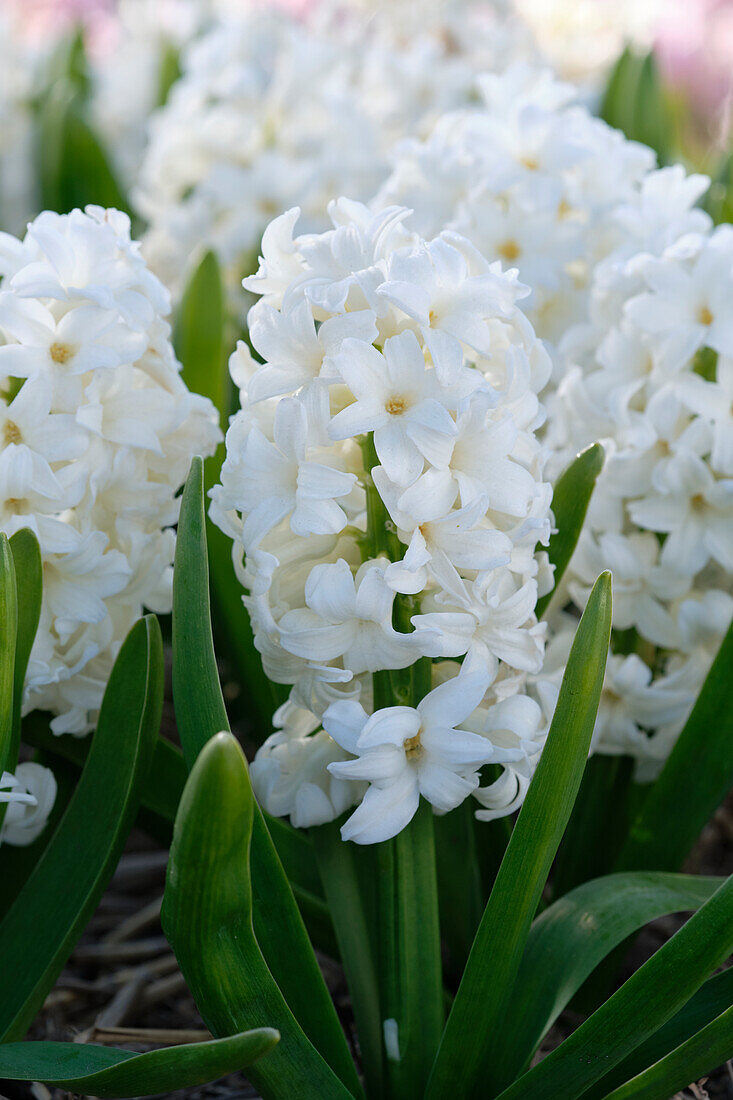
(570, 500)
(640, 1007)
(712, 998)
(102, 1071)
(207, 917)
(71, 875)
(201, 714)
(483, 998)
(675, 811)
(700, 1054)
(575, 934)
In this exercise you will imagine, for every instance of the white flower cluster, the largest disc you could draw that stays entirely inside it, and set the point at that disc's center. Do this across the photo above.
(29, 796)
(531, 177)
(97, 430)
(383, 487)
(272, 111)
(651, 375)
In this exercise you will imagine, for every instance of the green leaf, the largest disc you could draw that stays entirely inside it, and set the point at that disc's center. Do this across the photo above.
(483, 998)
(675, 811)
(107, 1072)
(200, 345)
(73, 168)
(574, 935)
(342, 867)
(200, 710)
(636, 102)
(168, 72)
(714, 997)
(620, 90)
(570, 500)
(161, 793)
(460, 891)
(61, 894)
(643, 1004)
(719, 200)
(8, 636)
(29, 587)
(690, 1061)
(207, 917)
(598, 824)
(199, 334)
(200, 715)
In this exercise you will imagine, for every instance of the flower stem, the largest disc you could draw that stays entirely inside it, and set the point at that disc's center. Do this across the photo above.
(409, 962)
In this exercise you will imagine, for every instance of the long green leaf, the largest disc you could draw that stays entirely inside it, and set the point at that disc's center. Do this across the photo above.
(483, 998)
(29, 587)
(570, 500)
(712, 998)
(700, 1054)
(107, 1072)
(200, 345)
(74, 169)
(200, 714)
(598, 824)
(8, 634)
(675, 811)
(199, 334)
(575, 934)
(640, 1007)
(199, 703)
(207, 917)
(65, 886)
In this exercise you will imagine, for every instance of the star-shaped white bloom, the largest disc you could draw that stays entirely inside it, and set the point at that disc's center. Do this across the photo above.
(406, 752)
(398, 399)
(351, 617)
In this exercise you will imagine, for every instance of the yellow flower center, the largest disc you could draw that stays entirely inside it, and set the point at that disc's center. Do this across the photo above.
(61, 353)
(704, 316)
(11, 433)
(509, 250)
(412, 746)
(396, 405)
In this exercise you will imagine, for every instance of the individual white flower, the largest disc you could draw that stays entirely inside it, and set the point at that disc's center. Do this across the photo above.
(398, 399)
(30, 795)
(406, 752)
(94, 446)
(351, 617)
(361, 546)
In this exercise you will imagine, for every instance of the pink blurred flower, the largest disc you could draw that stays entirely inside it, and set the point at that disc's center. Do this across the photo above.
(695, 51)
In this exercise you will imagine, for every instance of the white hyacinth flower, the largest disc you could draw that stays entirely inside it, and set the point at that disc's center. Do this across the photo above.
(29, 795)
(97, 431)
(365, 552)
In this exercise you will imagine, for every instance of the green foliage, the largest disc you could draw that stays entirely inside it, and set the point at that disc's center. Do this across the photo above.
(640, 1007)
(208, 919)
(570, 500)
(483, 997)
(636, 102)
(675, 811)
(62, 892)
(200, 715)
(106, 1072)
